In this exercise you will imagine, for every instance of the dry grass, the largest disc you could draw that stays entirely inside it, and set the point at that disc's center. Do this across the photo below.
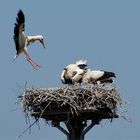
(74, 99)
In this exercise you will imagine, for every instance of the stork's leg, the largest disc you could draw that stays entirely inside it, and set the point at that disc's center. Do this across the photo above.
(33, 62)
(35, 65)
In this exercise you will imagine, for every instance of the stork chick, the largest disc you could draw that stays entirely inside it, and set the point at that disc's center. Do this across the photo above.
(73, 72)
(98, 77)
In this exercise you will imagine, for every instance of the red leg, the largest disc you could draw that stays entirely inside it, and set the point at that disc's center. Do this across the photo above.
(34, 62)
(34, 65)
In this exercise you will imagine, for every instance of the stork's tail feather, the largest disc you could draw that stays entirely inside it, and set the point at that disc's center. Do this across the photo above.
(81, 63)
(109, 74)
(109, 80)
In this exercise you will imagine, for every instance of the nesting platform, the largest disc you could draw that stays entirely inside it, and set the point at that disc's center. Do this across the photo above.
(72, 105)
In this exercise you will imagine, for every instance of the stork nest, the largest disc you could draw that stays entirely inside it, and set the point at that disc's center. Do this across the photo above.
(72, 99)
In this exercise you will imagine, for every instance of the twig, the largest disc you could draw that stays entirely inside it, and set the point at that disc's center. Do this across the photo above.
(18, 137)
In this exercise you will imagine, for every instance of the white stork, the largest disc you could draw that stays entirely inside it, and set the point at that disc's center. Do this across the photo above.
(22, 41)
(98, 77)
(73, 72)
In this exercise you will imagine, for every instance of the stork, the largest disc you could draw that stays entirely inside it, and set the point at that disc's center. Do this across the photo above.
(98, 77)
(73, 72)
(22, 41)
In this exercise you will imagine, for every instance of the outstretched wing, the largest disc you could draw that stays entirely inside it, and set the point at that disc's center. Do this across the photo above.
(19, 28)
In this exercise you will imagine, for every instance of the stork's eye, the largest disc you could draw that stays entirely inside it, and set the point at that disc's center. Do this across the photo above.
(74, 73)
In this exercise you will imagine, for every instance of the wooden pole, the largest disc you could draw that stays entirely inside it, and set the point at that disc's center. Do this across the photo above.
(77, 128)
(76, 125)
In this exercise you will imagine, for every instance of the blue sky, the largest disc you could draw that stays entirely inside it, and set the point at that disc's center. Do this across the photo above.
(105, 32)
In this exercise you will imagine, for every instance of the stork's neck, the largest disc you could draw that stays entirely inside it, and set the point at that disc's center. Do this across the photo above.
(33, 38)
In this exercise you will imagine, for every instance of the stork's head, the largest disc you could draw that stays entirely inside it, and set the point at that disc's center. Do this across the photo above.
(65, 77)
(41, 40)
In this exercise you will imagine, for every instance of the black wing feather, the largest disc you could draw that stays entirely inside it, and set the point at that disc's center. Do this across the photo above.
(20, 21)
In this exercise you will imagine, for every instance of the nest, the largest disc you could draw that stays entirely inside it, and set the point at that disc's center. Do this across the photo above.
(84, 101)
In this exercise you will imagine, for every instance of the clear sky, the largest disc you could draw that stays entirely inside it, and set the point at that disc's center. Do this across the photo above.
(104, 32)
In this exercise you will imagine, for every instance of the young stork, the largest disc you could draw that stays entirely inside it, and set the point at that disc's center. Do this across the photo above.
(73, 72)
(22, 41)
(97, 77)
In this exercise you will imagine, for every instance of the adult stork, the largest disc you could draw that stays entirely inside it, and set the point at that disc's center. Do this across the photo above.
(73, 72)
(98, 77)
(22, 41)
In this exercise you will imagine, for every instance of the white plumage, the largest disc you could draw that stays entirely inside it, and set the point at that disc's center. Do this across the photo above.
(81, 64)
(78, 73)
(97, 76)
(22, 41)
(77, 78)
(73, 72)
